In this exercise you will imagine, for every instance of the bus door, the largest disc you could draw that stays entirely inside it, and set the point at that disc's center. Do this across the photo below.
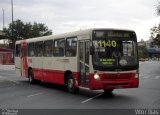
(84, 46)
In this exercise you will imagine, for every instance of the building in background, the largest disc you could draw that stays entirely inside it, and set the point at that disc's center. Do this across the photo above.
(6, 56)
(153, 50)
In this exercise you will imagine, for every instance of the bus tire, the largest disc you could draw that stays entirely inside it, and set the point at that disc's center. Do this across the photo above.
(70, 85)
(31, 77)
(108, 91)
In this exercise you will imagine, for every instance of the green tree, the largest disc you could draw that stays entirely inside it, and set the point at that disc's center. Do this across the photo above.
(26, 30)
(155, 31)
(142, 52)
(155, 35)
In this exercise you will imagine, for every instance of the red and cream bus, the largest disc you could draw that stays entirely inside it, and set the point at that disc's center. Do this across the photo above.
(105, 59)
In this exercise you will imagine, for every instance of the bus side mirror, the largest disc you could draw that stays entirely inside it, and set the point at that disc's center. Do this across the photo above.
(92, 50)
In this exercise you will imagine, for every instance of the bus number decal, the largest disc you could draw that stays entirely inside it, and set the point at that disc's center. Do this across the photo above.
(109, 43)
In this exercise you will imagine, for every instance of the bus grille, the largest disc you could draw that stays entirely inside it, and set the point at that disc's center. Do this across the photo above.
(118, 76)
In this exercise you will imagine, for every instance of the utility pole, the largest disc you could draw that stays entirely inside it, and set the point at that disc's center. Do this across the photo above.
(12, 38)
(3, 17)
(12, 15)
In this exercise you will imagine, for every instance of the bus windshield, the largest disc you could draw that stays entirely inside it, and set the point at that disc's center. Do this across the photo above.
(114, 49)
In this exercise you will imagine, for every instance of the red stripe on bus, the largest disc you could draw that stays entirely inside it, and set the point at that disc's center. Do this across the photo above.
(54, 76)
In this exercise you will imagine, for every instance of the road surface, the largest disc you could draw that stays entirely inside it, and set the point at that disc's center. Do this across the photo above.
(17, 93)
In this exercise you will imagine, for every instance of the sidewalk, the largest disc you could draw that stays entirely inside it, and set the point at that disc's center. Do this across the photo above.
(7, 67)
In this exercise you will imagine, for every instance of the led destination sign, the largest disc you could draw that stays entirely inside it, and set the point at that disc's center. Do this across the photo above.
(116, 34)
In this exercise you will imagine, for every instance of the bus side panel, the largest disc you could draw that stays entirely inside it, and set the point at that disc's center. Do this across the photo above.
(37, 73)
(18, 66)
(53, 69)
(54, 76)
(71, 64)
(38, 68)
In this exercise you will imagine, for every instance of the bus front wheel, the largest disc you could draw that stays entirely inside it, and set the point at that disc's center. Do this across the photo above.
(70, 85)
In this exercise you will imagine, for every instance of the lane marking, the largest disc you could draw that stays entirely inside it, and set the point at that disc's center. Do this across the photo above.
(34, 94)
(10, 74)
(146, 77)
(3, 78)
(150, 77)
(140, 76)
(13, 81)
(156, 77)
(91, 98)
(7, 67)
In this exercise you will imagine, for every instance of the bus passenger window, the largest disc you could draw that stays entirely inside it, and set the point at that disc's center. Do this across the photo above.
(48, 50)
(30, 49)
(39, 49)
(71, 47)
(58, 49)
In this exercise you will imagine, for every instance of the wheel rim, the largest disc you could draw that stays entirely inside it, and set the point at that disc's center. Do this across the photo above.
(29, 78)
(70, 83)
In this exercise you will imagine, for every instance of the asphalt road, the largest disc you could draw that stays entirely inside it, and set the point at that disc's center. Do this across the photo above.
(17, 93)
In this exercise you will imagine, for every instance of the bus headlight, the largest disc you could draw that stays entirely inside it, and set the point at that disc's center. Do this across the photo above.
(96, 77)
(137, 74)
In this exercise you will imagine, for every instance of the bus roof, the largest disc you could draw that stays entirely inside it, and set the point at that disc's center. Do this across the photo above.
(68, 34)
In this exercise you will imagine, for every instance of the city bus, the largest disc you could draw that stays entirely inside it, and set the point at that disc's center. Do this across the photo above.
(96, 59)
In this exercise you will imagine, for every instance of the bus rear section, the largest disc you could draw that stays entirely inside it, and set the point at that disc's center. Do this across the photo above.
(114, 60)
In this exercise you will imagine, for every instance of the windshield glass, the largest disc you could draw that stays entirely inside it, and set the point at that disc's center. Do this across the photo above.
(116, 51)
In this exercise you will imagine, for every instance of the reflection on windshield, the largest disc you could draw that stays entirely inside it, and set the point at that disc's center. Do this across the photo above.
(115, 53)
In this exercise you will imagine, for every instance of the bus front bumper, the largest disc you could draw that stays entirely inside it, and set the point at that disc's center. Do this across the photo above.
(113, 84)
